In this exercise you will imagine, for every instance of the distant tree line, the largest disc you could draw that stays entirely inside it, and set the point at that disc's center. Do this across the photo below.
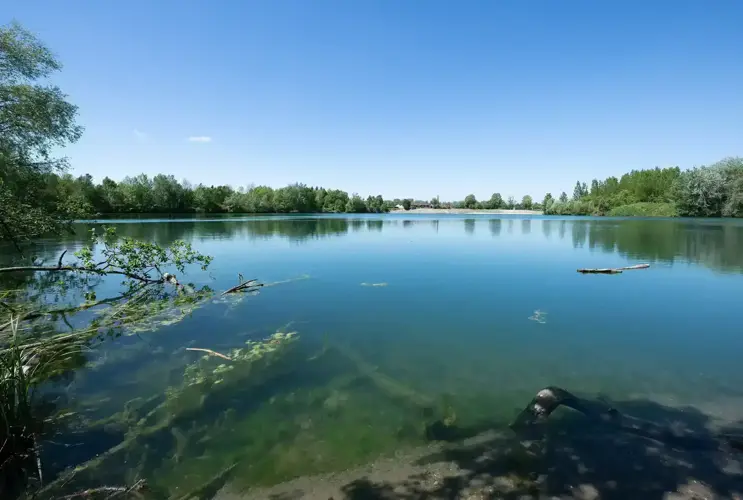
(708, 191)
(497, 202)
(164, 194)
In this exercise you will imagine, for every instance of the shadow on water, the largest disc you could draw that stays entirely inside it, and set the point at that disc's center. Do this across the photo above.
(573, 458)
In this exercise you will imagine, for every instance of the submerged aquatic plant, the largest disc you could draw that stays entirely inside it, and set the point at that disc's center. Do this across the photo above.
(204, 370)
(24, 365)
(539, 317)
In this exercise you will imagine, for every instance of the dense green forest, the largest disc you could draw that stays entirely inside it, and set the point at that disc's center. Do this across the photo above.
(164, 194)
(709, 191)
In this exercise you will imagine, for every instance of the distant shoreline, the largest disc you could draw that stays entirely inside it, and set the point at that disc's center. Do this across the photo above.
(466, 211)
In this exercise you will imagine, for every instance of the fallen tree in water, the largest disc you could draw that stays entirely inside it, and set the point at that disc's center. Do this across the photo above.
(613, 270)
(244, 286)
(550, 398)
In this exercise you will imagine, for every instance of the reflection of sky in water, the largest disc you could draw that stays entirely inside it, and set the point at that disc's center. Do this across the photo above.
(464, 310)
(474, 282)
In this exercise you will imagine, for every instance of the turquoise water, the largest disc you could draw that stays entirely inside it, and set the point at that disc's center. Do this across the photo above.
(470, 316)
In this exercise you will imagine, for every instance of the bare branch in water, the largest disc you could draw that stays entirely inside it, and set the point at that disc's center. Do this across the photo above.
(91, 270)
(114, 491)
(209, 351)
(59, 262)
(243, 285)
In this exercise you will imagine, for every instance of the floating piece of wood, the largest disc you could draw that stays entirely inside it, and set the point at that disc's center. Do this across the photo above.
(613, 270)
(243, 286)
(209, 351)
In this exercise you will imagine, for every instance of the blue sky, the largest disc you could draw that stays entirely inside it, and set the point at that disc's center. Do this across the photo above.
(407, 98)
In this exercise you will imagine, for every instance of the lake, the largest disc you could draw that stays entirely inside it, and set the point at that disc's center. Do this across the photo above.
(403, 323)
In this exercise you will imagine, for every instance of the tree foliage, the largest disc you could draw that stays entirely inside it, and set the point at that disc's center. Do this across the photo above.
(495, 202)
(638, 186)
(470, 201)
(164, 194)
(35, 118)
(708, 191)
(713, 191)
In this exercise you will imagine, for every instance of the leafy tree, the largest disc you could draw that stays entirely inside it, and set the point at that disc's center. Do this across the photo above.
(407, 203)
(701, 192)
(470, 201)
(547, 202)
(511, 203)
(527, 202)
(112, 199)
(167, 194)
(375, 204)
(35, 118)
(579, 191)
(435, 203)
(495, 202)
(335, 201)
(355, 205)
(34, 351)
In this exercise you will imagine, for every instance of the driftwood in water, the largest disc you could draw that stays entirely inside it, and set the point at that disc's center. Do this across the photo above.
(210, 352)
(613, 270)
(249, 286)
(550, 398)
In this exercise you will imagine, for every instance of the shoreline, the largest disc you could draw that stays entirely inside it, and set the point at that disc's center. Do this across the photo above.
(503, 465)
(466, 211)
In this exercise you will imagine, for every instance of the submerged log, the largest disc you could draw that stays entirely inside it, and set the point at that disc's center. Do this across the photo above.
(550, 398)
(210, 352)
(613, 270)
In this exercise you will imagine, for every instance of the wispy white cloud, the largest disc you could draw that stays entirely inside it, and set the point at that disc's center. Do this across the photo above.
(139, 135)
(200, 138)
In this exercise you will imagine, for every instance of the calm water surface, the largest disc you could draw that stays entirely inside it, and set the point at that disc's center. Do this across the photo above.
(471, 316)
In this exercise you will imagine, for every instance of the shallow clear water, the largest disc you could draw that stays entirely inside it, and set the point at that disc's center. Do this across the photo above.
(471, 316)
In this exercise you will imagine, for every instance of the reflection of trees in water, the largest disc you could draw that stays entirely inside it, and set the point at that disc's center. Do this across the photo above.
(495, 226)
(293, 229)
(435, 224)
(716, 244)
(580, 233)
(374, 225)
(547, 228)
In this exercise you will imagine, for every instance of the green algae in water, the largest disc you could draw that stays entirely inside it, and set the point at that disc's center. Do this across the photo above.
(304, 412)
(186, 414)
(319, 429)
